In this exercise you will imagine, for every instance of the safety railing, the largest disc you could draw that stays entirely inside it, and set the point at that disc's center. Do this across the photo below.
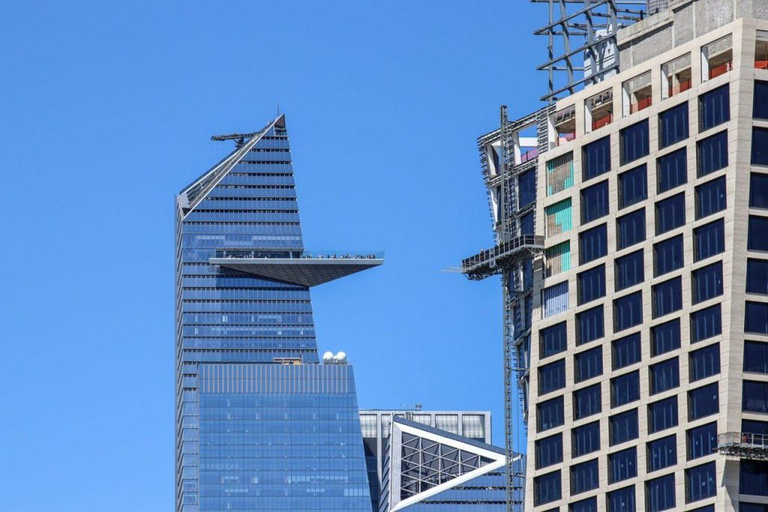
(720, 70)
(319, 255)
(761, 64)
(603, 121)
(681, 87)
(502, 249)
(640, 105)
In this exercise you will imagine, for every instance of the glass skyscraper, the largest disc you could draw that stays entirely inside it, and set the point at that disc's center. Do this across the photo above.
(260, 423)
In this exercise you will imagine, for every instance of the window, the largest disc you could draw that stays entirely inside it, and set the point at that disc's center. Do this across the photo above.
(549, 451)
(707, 282)
(558, 217)
(546, 488)
(634, 142)
(587, 505)
(754, 427)
(759, 146)
(628, 311)
(594, 202)
(622, 465)
(549, 414)
(665, 337)
(673, 125)
(670, 213)
(586, 402)
(753, 478)
(709, 240)
(596, 158)
(754, 396)
(700, 482)
(593, 244)
(626, 351)
(589, 364)
(527, 183)
(756, 317)
(633, 186)
(758, 190)
(630, 229)
(662, 415)
(552, 377)
(660, 493)
(672, 170)
(526, 224)
(668, 255)
(703, 402)
(555, 299)
(625, 389)
(743, 507)
(665, 375)
(710, 198)
(585, 439)
(760, 106)
(590, 325)
(705, 362)
(714, 108)
(756, 239)
(591, 284)
(706, 323)
(755, 357)
(667, 297)
(701, 441)
(622, 500)
(712, 153)
(629, 270)
(553, 340)
(560, 173)
(662, 453)
(622, 427)
(584, 477)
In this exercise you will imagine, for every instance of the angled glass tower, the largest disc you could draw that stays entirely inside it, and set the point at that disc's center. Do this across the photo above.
(260, 423)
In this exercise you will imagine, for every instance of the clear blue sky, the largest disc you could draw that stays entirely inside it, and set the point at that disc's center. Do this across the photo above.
(107, 110)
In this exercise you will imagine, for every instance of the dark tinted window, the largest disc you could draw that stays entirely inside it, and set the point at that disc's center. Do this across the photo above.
(596, 158)
(757, 239)
(634, 142)
(668, 255)
(593, 244)
(625, 389)
(662, 415)
(758, 190)
(553, 339)
(526, 224)
(760, 106)
(670, 213)
(546, 488)
(630, 229)
(702, 402)
(584, 477)
(622, 500)
(549, 414)
(629, 270)
(588, 364)
(712, 153)
(527, 185)
(714, 108)
(755, 396)
(590, 325)
(673, 170)
(662, 453)
(700, 482)
(551, 377)
(705, 362)
(628, 311)
(706, 323)
(708, 240)
(626, 351)
(664, 375)
(594, 202)
(622, 465)
(707, 282)
(673, 125)
(622, 427)
(586, 402)
(549, 451)
(701, 441)
(660, 493)
(633, 186)
(710, 198)
(755, 357)
(753, 478)
(665, 337)
(759, 146)
(587, 505)
(591, 284)
(667, 297)
(585, 439)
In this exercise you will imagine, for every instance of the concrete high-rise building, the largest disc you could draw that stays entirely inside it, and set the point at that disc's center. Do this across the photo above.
(260, 423)
(636, 273)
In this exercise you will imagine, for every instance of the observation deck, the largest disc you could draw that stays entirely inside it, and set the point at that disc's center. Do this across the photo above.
(743, 445)
(492, 261)
(303, 268)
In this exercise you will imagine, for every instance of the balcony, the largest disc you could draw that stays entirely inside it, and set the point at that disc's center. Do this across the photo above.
(743, 445)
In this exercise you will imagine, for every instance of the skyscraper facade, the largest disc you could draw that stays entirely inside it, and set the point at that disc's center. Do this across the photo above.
(260, 423)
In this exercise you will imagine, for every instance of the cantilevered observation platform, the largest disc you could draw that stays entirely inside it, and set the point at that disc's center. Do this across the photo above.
(303, 268)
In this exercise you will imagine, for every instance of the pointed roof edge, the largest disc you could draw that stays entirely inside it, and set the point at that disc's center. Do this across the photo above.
(216, 173)
(455, 437)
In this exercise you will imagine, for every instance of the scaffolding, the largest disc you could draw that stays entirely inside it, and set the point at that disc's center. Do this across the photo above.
(743, 445)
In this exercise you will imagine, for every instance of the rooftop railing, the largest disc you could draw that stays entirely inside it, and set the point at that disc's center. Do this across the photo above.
(297, 255)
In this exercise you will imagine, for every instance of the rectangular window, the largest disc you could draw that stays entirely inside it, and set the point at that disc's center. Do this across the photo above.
(587, 505)
(662, 415)
(591, 284)
(701, 441)
(753, 478)
(754, 427)
(710, 198)
(589, 364)
(754, 396)
(549, 451)
(673, 125)
(622, 500)
(707, 282)
(709, 240)
(630, 229)
(714, 108)
(712, 153)
(593, 244)
(664, 375)
(665, 337)
(586, 402)
(622, 465)
(700, 482)
(547, 488)
(626, 351)
(660, 494)
(756, 317)
(627, 311)
(662, 453)
(558, 217)
(672, 170)
(585, 439)
(670, 213)
(594, 202)
(590, 325)
(668, 255)
(526, 224)
(756, 239)
(553, 340)
(705, 362)
(629, 270)
(759, 146)
(596, 158)
(625, 389)
(555, 299)
(758, 190)
(706, 323)
(584, 477)
(526, 182)
(760, 105)
(557, 259)
(703, 402)
(551, 377)
(667, 297)
(755, 357)
(634, 142)
(549, 414)
(622, 427)
(633, 186)
(560, 173)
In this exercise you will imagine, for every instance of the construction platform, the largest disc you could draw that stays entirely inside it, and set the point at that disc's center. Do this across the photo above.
(743, 445)
(492, 261)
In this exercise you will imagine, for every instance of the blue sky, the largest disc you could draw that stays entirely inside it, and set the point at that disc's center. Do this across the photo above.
(107, 112)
